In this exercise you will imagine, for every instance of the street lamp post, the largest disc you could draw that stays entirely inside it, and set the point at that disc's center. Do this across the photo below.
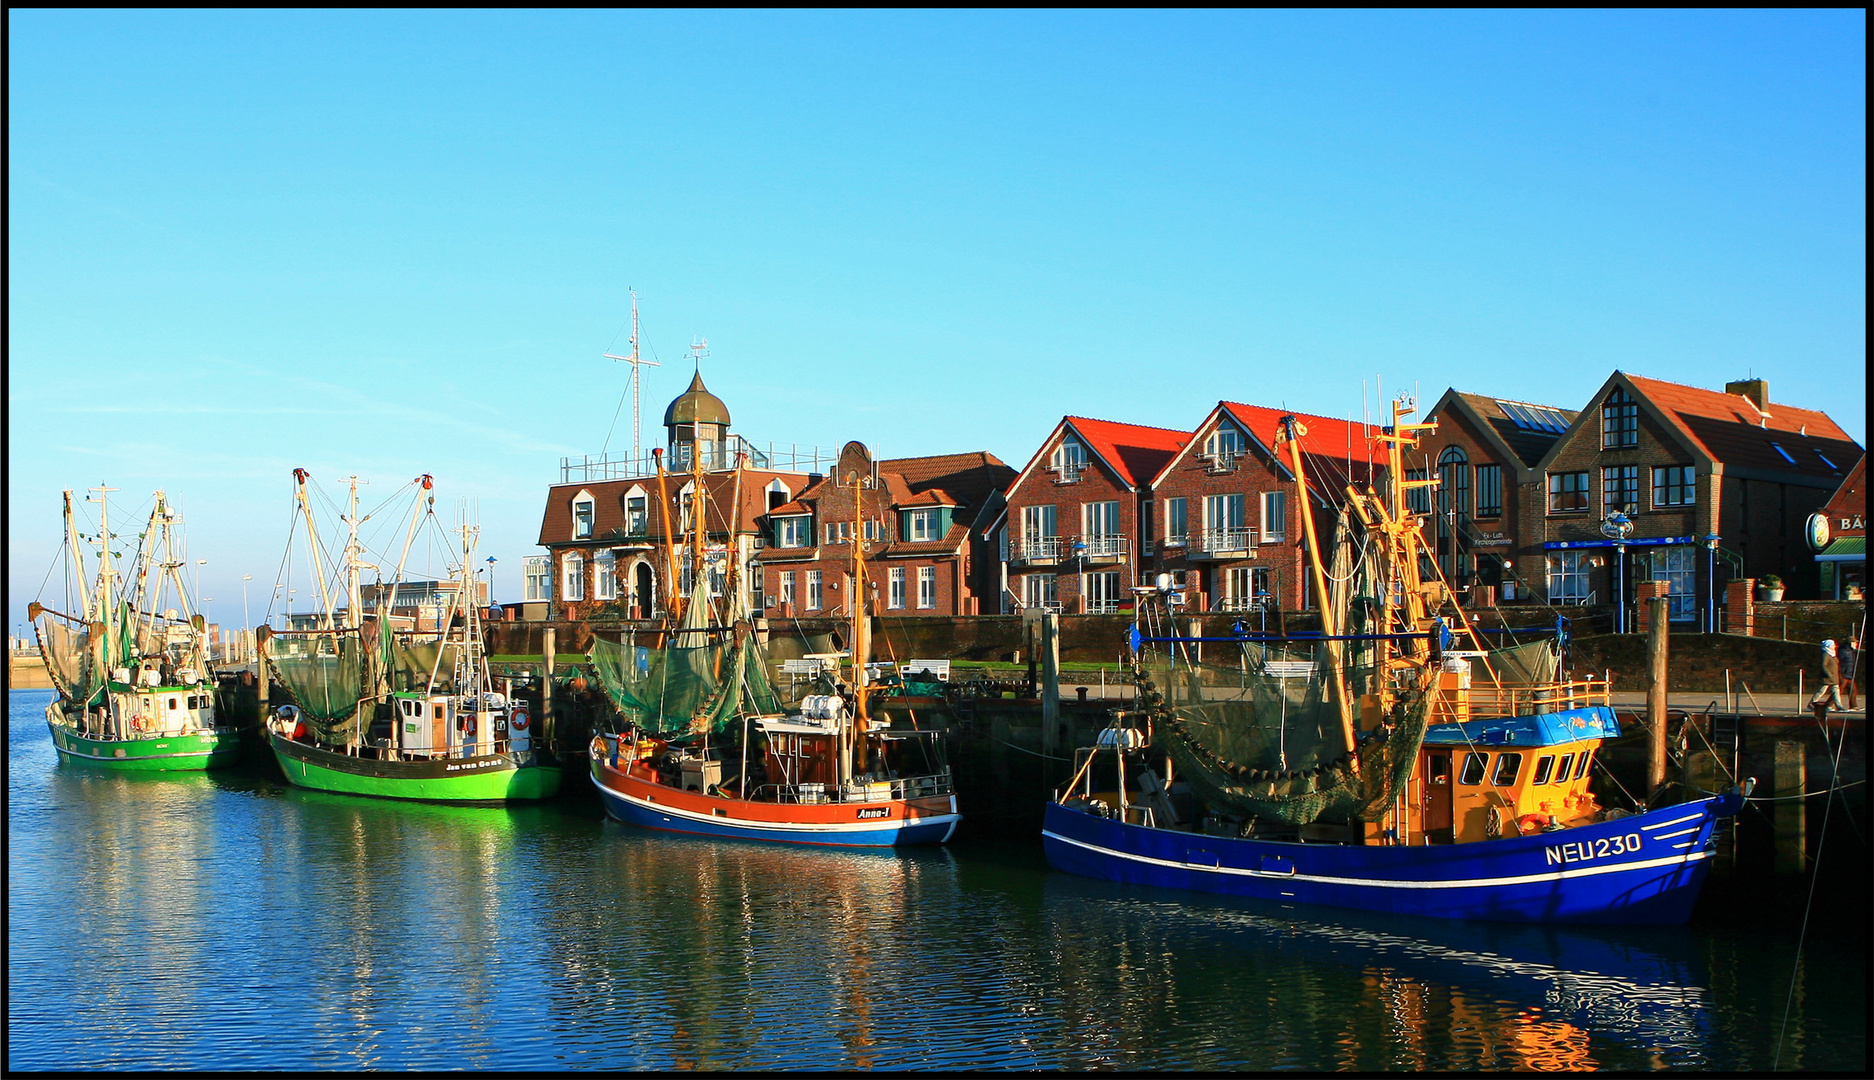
(491, 580)
(208, 620)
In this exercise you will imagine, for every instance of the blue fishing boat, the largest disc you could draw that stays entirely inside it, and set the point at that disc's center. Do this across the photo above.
(1402, 766)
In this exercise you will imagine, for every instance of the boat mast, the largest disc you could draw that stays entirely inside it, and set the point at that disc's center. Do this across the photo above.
(102, 628)
(1291, 430)
(673, 598)
(637, 383)
(78, 560)
(416, 515)
(300, 476)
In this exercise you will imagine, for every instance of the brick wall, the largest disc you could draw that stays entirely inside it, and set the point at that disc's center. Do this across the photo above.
(1095, 484)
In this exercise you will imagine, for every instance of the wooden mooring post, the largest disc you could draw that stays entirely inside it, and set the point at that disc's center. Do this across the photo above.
(549, 730)
(1656, 645)
(1792, 811)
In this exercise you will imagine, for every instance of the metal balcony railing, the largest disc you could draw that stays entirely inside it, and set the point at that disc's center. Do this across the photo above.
(717, 457)
(1099, 546)
(1032, 548)
(1068, 472)
(1224, 461)
(1211, 541)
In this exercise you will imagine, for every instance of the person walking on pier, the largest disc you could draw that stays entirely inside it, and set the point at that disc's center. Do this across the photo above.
(1830, 690)
(1849, 658)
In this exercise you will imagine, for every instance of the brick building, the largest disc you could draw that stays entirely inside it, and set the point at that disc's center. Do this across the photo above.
(1838, 534)
(920, 519)
(607, 536)
(1073, 527)
(1655, 480)
(1222, 507)
(1488, 506)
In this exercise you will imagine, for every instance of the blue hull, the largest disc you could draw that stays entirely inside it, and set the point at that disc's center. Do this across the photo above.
(1644, 869)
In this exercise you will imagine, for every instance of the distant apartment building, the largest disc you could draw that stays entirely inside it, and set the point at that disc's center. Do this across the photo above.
(1075, 523)
(611, 524)
(1225, 506)
(1654, 480)
(1485, 517)
(918, 521)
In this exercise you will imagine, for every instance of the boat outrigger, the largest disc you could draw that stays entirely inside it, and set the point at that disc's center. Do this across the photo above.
(133, 685)
(396, 713)
(1402, 766)
(826, 774)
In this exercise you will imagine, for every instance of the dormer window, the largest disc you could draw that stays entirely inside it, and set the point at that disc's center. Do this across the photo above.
(794, 531)
(778, 495)
(1620, 420)
(582, 515)
(637, 512)
(921, 525)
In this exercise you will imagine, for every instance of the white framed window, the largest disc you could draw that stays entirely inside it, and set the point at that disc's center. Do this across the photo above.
(1223, 512)
(1037, 522)
(1274, 515)
(793, 532)
(605, 575)
(573, 576)
(921, 525)
(813, 590)
(1101, 518)
(1568, 577)
(1175, 521)
(1038, 591)
(1678, 567)
(1070, 458)
(757, 586)
(1225, 444)
(895, 594)
(927, 586)
(839, 532)
(684, 502)
(1102, 592)
(583, 512)
(787, 586)
(637, 513)
(536, 578)
(778, 495)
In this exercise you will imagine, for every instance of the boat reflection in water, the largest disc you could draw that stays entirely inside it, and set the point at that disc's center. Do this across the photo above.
(1434, 995)
(710, 954)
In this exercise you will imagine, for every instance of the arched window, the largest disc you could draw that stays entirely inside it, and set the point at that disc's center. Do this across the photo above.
(605, 575)
(1454, 514)
(573, 576)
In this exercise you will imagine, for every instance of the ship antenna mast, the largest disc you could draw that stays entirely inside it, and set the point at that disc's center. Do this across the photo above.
(637, 382)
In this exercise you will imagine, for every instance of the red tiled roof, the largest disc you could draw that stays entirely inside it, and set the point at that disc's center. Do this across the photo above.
(1730, 429)
(1326, 438)
(1134, 451)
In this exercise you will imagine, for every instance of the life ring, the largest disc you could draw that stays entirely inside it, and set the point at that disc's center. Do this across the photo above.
(519, 720)
(142, 723)
(1531, 823)
(598, 747)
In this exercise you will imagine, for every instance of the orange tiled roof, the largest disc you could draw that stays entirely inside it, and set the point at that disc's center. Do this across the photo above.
(1730, 429)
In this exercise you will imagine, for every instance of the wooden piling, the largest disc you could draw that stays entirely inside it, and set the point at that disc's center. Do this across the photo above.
(1050, 683)
(1791, 814)
(548, 730)
(1656, 644)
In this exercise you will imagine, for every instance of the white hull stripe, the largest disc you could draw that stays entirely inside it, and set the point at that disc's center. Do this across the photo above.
(897, 824)
(1383, 883)
(143, 757)
(1670, 824)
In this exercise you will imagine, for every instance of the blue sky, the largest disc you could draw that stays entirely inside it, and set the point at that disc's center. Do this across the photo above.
(396, 243)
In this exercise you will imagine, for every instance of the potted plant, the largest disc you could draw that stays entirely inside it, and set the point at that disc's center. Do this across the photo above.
(1770, 588)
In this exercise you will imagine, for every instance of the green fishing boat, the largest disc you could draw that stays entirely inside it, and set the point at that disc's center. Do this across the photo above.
(131, 676)
(394, 711)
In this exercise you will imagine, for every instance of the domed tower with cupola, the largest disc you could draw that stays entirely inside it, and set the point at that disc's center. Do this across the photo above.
(698, 421)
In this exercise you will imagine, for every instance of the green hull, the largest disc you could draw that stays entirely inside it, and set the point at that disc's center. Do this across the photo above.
(491, 779)
(165, 753)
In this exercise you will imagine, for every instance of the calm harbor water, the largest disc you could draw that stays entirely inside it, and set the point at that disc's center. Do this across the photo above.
(228, 921)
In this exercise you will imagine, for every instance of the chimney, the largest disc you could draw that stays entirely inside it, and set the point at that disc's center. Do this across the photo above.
(1756, 390)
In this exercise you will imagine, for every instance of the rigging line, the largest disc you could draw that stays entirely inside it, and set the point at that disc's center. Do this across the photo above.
(615, 412)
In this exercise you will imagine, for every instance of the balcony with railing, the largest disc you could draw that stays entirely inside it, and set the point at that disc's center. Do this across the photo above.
(1223, 544)
(1036, 549)
(717, 457)
(1223, 461)
(1068, 472)
(1099, 549)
